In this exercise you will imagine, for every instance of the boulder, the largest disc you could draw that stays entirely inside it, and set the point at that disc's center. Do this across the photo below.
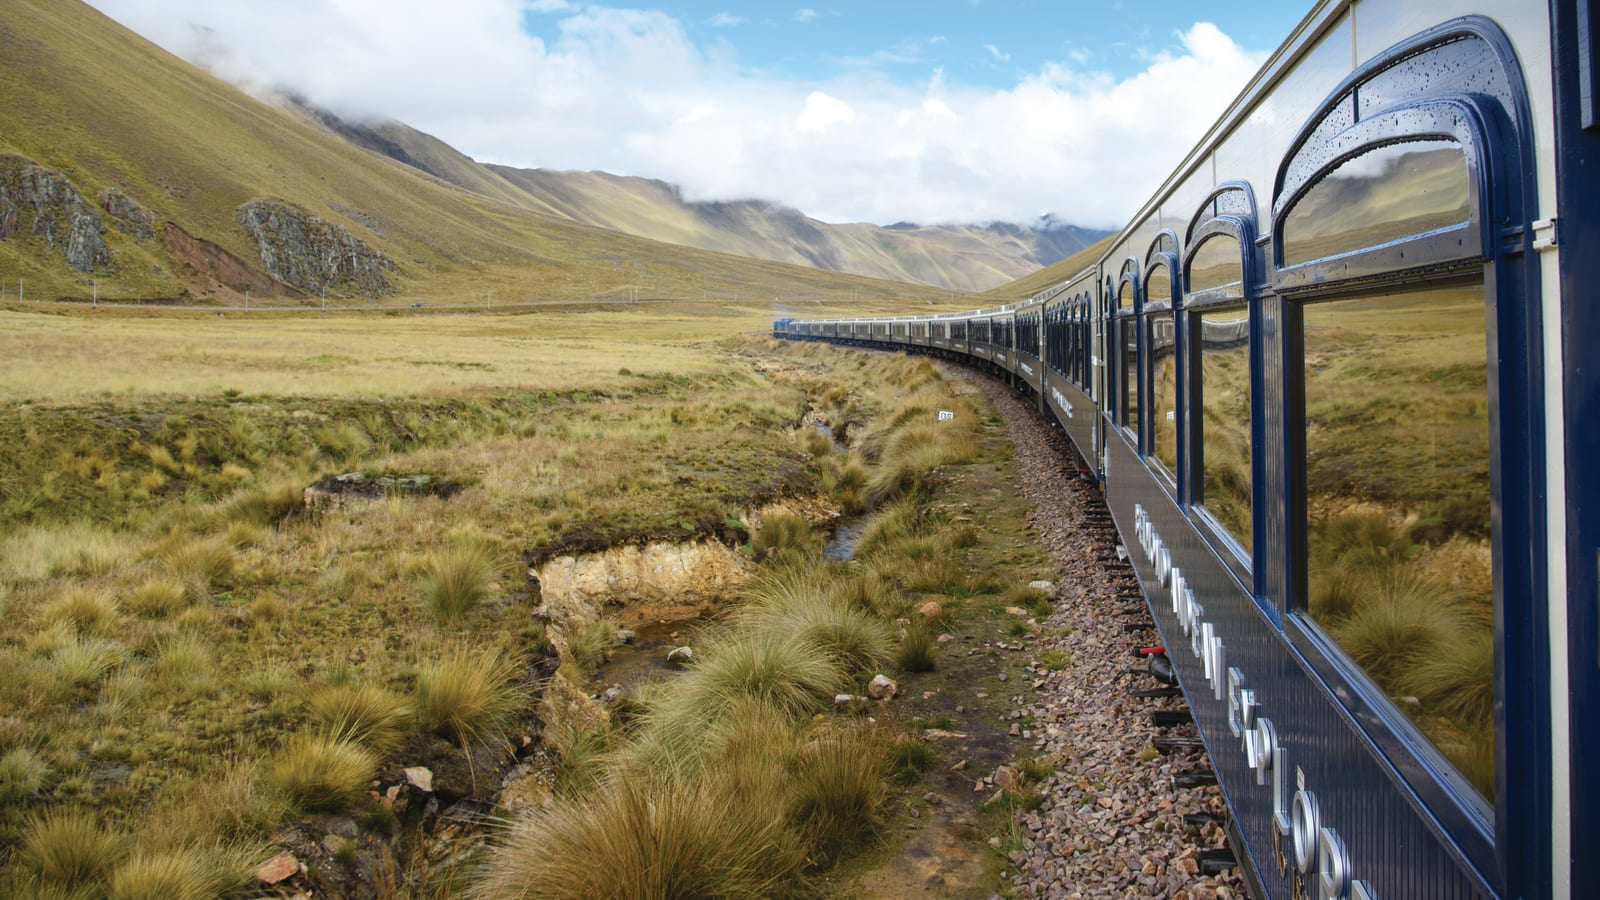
(278, 869)
(680, 655)
(882, 687)
(930, 610)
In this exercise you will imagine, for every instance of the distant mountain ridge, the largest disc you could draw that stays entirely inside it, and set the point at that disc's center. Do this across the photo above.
(958, 257)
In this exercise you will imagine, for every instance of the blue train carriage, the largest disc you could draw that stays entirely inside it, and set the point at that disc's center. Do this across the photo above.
(1332, 378)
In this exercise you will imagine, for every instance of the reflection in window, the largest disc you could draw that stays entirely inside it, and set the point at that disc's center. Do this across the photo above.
(1215, 263)
(1223, 338)
(1164, 389)
(1130, 372)
(1385, 194)
(1397, 494)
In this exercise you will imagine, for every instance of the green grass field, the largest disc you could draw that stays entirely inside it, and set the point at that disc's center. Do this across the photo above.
(190, 660)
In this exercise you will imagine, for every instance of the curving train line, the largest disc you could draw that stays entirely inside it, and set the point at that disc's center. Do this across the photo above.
(1336, 380)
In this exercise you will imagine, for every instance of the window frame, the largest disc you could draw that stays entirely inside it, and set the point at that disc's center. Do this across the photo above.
(1411, 92)
(1127, 394)
(1217, 217)
(1163, 254)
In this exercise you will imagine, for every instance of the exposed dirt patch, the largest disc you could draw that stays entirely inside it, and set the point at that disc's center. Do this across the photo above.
(208, 269)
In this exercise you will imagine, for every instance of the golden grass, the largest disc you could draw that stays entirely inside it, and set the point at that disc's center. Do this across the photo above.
(322, 772)
(469, 693)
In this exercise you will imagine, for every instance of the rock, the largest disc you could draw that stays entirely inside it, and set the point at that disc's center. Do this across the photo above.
(1016, 730)
(1016, 611)
(278, 869)
(1045, 586)
(127, 215)
(1005, 778)
(944, 639)
(336, 844)
(930, 610)
(680, 654)
(959, 767)
(55, 212)
(843, 699)
(419, 777)
(915, 813)
(624, 636)
(933, 798)
(569, 712)
(305, 252)
(524, 790)
(882, 687)
(1002, 677)
(611, 694)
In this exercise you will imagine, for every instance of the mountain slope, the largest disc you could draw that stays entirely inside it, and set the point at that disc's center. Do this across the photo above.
(961, 257)
(105, 137)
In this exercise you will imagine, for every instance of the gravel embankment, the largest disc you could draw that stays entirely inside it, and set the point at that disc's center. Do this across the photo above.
(1111, 823)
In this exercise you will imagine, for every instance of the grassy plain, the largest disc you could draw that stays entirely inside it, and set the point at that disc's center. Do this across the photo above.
(191, 661)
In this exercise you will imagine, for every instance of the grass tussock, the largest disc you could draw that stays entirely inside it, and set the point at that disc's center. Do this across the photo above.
(164, 875)
(838, 792)
(320, 772)
(664, 837)
(200, 564)
(918, 650)
(365, 713)
(158, 598)
(784, 537)
(86, 611)
(68, 849)
(455, 579)
(793, 676)
(23, 773)
(470, 694)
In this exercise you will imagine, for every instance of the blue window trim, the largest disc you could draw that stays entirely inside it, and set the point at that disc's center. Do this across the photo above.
(1494, 125)
(1207, 223)
(1129, 279)
(1163, 254)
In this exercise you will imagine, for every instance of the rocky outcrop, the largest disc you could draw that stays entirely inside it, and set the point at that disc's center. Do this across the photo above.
(49, 207)
(129, 217)
(313, 255)
(575, 588)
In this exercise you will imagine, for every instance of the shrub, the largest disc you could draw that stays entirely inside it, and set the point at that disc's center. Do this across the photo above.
(837, 793)
(322, 772)
(22, 774)
(647, 837)
(918, 650)
(68, 848)
(364, 713)
(455, 580)
(470, 694)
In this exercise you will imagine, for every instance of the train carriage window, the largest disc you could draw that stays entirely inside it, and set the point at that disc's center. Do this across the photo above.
(1220, 435)
(1399, 553)
(1128, 352)
(1162, 352)
(1382, 195)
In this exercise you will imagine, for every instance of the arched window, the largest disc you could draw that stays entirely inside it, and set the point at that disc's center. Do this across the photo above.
(1159, 313)
(1221, 432)
(1126, 337)
(1408, 327)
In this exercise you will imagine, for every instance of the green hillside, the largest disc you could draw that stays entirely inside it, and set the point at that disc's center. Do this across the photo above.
(95, 107)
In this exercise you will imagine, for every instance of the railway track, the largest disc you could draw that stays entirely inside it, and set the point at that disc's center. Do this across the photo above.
(1114, 820)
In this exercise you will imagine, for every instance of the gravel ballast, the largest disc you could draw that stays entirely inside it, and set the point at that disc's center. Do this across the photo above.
(1111, 821)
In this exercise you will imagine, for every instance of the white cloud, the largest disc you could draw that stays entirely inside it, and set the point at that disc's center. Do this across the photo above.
(726, 20)
(997, 54)
(804, 14)
(823, 112)
(628, 91)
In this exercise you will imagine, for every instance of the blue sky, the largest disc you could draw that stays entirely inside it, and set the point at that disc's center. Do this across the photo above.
(968, 111)
(976, 42)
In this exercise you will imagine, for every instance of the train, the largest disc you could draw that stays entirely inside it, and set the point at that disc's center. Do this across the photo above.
(1337, 381)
